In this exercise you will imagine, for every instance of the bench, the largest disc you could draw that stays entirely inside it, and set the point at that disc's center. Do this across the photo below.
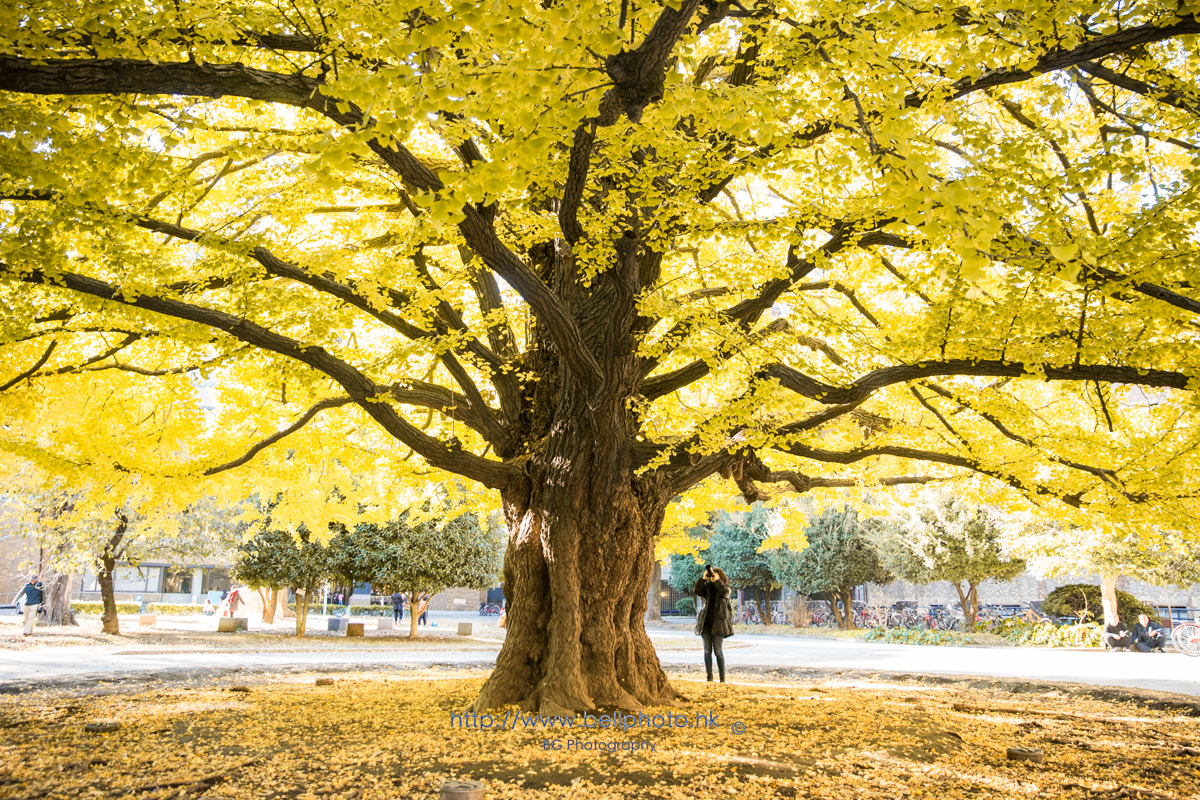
(356, 628)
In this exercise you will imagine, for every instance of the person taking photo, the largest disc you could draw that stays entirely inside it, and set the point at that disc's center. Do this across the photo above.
(714, 620)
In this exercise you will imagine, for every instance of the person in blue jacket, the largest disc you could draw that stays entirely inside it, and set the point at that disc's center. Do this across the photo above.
(33, 601)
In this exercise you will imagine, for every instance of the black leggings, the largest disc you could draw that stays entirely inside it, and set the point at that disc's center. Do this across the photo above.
(713, 642)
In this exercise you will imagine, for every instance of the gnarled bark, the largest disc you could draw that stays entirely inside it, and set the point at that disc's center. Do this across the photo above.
(580, 554)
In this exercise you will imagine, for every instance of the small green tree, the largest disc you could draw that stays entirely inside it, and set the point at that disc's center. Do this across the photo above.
(734, 547)
(1159, 557)
(424, 557)
(941, 537)
(278, 559)
(840, 556)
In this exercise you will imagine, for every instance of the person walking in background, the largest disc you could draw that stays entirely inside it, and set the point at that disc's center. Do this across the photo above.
(397, 606)
(235, 600)
(32, 592)
(714, 621)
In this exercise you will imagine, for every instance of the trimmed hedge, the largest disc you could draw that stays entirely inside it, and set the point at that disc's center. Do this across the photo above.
(686, 606)
(166, 609)
(1068, 601)
(355, 611)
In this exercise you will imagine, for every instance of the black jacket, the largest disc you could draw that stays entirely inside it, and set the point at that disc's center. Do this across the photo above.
(1145, 634)
(714, 595)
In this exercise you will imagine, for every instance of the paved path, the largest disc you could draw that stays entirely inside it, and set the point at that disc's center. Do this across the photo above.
(1163, 672)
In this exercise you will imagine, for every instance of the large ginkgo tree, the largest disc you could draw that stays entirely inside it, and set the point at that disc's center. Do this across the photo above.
(587, 254)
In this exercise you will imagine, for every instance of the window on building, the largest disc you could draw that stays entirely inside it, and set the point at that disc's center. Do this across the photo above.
(178, 580)
(216, 579)
(129, 579)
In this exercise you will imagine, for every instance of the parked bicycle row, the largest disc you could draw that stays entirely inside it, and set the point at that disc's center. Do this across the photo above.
(821, 614)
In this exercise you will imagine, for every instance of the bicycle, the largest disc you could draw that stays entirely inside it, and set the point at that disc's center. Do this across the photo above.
(778, 612)
(1186, 638)
(751, 616)
(489, 610)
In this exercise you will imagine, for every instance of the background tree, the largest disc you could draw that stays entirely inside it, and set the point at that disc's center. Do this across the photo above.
(424, 556)
(589, 265)
(734, 546)
(942, 537)
(1083, 602)
(840, 556)
(265, 563)
(1154, 555)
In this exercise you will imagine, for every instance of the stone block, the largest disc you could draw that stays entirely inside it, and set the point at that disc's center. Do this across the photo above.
(232, 624)
(337, 624)
(464, 628)
(463, 790)
(356, 628)
(147, 620)
(385, 624)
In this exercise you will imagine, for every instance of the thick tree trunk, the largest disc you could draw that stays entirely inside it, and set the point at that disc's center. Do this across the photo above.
(836, 608)
(58, 600)
(301, 610)
(848, 610)
(414, 613)
(1108, 598)
(270, 602)
(108, 620)
(284, 611)
(654, 595)
(968, 601)
(580, 555)
(108, 564)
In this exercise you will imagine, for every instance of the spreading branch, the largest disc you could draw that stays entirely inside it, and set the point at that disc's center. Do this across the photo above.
(363, 391)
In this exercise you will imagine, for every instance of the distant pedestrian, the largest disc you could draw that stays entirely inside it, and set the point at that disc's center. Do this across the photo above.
(235, 600)
(32, 593)
(423, 605)
(714, 620)
(397, 606)
(208, 609)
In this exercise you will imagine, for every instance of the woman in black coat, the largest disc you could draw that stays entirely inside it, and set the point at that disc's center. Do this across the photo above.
(714, 620)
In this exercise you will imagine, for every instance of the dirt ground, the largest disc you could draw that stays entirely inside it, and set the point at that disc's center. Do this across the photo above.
(371, 735)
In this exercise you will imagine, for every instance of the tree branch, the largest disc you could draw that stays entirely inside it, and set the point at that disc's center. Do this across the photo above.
(361, 389)
(800, 383)
(1129, 83)
(127, 76)
(36, 366)
(333, 402)
(1091, 50)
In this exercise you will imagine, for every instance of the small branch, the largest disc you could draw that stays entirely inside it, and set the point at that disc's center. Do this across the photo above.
(36, 366)
(333, 402)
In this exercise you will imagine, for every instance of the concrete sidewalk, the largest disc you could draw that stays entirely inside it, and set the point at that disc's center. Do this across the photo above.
(1162, 672)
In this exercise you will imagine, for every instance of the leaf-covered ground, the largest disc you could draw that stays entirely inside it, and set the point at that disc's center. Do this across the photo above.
(370, 736)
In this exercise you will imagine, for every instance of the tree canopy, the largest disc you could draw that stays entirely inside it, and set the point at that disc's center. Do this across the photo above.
(941, 537)
(840, 556)
(589, 254)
